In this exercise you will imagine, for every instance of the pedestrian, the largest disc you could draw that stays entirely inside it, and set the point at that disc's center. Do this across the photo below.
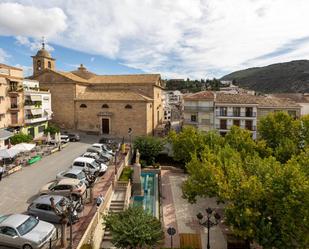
(1, 172)
(99, 200)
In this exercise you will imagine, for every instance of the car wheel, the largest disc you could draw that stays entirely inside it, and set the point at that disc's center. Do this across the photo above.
(27, 247)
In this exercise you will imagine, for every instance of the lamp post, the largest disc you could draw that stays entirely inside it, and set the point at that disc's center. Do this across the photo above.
(207, 222)
(171, 232)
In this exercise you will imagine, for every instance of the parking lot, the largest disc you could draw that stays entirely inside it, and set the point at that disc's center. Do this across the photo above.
(19, 189)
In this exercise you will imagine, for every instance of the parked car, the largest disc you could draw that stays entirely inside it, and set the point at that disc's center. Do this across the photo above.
(64, 138)
(97, 158)
(65, 187)
(89, 165)
(100, 152)
(103, 147)
(74, 174)
(73, 137)
(41, 208)
(25, 232)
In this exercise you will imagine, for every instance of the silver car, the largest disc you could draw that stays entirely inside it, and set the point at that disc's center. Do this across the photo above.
(41, 208)
(73, 173)
(24, 231)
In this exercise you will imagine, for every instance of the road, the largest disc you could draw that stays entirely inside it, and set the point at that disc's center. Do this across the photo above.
(19, 189)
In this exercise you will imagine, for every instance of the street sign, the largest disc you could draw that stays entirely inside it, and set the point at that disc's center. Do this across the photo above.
(171, 231)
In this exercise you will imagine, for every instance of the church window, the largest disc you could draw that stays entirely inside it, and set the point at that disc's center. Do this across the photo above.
(49, 64)
(128, 107)
(83, 106)
(105, 106)
(38, 64)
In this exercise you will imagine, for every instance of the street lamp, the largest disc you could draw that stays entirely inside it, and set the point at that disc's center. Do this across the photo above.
(208, 223)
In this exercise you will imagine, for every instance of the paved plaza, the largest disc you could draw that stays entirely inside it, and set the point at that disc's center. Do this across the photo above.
(20, 188)
(178, 213)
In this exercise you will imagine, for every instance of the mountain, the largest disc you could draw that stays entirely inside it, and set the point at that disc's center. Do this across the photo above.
(284, 77)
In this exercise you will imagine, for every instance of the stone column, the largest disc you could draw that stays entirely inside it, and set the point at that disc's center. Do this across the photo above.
(137, 185)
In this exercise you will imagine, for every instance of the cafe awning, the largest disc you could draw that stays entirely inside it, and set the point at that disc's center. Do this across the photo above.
(9, 153)
(36, 97)
(23, 147)
(4, 134)
(48, 112)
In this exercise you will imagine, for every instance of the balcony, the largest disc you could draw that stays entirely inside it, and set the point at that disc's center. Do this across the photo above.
(29, 119)
(198, 109)
(250, 128)
(221, 127)
(233, 115)
(190, 122)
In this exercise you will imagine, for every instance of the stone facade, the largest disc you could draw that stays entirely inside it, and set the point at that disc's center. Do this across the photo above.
(103, 104)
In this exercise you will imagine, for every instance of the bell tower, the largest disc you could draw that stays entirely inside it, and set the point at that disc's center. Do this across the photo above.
(42, 60)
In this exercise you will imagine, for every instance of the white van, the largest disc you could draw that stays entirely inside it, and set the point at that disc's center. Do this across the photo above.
(89, 165)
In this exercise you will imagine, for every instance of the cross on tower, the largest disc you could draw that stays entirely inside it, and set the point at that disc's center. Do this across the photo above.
(43, 42)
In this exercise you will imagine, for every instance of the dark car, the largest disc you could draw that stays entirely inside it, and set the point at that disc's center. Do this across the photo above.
(73, 137)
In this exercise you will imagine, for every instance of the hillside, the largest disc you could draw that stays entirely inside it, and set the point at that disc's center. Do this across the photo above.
(282, 77)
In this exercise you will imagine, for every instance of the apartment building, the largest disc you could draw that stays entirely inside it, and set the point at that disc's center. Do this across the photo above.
(11, 101)
(199, 110)
(37, 108)
(235, 109)
(208, 110)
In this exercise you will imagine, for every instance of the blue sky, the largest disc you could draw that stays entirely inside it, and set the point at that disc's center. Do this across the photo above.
(177, 38)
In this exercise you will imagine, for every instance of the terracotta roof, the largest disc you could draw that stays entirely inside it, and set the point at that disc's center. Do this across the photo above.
(127, 79)
(10, 67)
(83, 72)
(297, 97)
(71, 76)
(112, 95)
(270, 102)
(235, 98)
(204, 95)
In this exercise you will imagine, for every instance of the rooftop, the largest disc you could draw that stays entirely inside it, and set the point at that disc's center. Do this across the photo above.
(204, 95)
(125, 95)
(235, 98)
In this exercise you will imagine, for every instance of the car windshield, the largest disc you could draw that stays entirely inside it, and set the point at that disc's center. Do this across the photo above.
(2, 218)
(27, 226)
(81, 175)
(53, 185)
(95, 164)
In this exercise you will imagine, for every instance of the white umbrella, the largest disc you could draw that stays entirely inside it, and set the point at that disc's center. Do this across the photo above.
(8, 153)
(48, 138)
(23, 147)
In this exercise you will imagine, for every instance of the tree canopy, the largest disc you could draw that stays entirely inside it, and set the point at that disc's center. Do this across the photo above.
(149, 148)
(134, 228)
(264, 184)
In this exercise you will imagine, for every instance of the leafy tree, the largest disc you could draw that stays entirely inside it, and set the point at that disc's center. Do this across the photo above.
(52, 129)
(134, 228)
(149, 148)
(21, 138)
(186, 143)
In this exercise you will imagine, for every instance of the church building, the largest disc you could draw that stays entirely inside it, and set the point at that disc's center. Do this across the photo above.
(102, 104)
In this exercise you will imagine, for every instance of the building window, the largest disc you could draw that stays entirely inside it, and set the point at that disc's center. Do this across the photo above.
(249, 125)
(223, 124)
(128, 107)
(14, 118)
(193, 118)
(249, 112)
(236, 122)
(83, 106)
(49, 64)
(105, 106)
(236, 111)
(223, 111)
(41, 128)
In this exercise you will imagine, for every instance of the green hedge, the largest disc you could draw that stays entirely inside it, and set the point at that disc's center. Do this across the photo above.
(126, 174)
(20, 138)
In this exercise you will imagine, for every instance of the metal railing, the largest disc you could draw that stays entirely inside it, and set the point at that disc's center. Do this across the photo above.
(242, 114)
(198, 108)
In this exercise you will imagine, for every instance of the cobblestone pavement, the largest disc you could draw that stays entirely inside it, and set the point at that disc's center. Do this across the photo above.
(182, 215)
(20, 188)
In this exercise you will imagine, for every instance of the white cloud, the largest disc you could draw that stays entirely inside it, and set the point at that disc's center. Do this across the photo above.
(34, 44)
(26, 20)
(178, 38)
(3, 56)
